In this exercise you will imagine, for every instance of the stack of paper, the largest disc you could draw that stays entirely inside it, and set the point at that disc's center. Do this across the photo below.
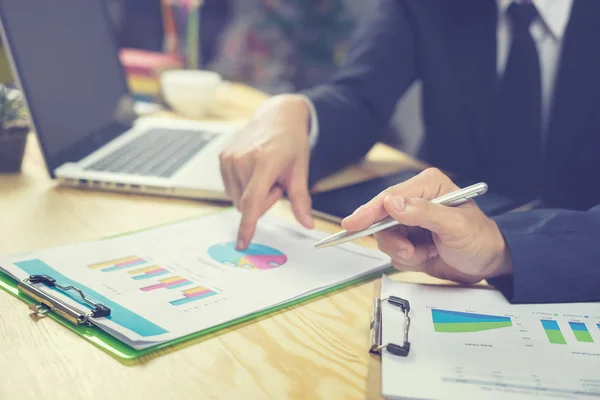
(168, 282)
(469, 343)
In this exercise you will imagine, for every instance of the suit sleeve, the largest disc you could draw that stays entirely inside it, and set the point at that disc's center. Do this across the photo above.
(354, 108)
(556, 256)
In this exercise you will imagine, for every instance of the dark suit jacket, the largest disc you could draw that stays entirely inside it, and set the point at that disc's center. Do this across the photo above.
(451, 47)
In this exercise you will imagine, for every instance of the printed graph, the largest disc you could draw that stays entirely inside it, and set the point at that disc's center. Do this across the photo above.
(446, 321)
(118, 264)
(553, 332)
(148, 272)
(255, 257)
(168, 283)
(194, 294)
(581, 332)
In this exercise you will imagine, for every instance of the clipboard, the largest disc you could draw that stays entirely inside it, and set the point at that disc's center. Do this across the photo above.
(128, 355)
(376, 346)
(57, 310)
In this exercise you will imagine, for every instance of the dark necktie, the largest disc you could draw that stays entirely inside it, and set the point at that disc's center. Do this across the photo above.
(516, 132)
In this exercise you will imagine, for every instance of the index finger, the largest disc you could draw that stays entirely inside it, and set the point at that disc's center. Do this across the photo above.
(251, 204)
(429, 184)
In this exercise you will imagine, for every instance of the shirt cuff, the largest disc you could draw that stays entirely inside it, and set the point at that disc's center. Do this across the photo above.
(313, 134)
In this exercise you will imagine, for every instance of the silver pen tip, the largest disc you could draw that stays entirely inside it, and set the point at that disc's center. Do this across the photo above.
(331, 240)
(321, 244)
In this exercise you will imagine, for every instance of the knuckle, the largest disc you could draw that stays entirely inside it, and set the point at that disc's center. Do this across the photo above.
(438, 179)
(397, 189)
(433, 172)
(225, 157)
(239, 162)
(255, 157)
(393, 189)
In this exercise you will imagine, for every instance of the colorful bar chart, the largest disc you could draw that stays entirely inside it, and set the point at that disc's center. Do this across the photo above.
(118, 264)
(581, 332)
(553, 332)
(148, 272)
(447, 321)
(194, 294)
(168, 283)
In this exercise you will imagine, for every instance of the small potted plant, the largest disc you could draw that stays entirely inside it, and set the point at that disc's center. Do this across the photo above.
(14, 127)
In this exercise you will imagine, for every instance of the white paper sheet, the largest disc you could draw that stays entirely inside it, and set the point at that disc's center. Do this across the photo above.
(171, 281)
(506, 354)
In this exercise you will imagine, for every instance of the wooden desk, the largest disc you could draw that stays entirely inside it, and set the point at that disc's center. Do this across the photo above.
(315, 350)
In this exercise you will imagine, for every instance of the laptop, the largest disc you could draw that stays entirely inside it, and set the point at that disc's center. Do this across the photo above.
(65, 58)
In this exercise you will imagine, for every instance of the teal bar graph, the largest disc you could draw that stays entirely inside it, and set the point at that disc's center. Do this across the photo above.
(553, 331)
(448, 321)
(581, 332)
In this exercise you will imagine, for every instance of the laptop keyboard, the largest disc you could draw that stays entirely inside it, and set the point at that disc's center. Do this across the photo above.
(159, 152)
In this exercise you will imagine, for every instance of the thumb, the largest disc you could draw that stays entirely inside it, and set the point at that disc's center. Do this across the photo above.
(299, 195)
(436, 218)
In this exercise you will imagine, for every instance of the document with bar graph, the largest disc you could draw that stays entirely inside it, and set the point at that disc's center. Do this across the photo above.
(473, 343)
(168, 282)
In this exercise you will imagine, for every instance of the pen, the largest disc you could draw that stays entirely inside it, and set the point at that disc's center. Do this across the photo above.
(450, 199)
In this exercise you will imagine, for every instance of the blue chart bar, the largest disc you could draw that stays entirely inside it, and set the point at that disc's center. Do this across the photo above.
(179, 285)
(194, 294)
(186, 300)
(581, 332)
(553, 331)
(151, 275)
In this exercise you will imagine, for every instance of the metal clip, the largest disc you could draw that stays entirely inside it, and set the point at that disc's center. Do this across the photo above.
(48, 303)
(376, 327)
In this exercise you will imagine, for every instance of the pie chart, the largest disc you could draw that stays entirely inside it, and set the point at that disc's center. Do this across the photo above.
(255, 257)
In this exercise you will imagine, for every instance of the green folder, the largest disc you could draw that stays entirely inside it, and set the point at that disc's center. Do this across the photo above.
(129, 355)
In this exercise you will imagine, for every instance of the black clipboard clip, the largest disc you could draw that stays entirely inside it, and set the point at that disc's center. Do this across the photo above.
(376, 327)
(48, 303)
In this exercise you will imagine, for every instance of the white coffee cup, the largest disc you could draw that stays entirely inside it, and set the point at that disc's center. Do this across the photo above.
(190, 93)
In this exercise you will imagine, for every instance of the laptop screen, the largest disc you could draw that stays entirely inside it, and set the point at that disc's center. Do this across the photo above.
(67, 61)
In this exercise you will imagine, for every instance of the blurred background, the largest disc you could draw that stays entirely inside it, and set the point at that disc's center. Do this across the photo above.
(276, 46)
